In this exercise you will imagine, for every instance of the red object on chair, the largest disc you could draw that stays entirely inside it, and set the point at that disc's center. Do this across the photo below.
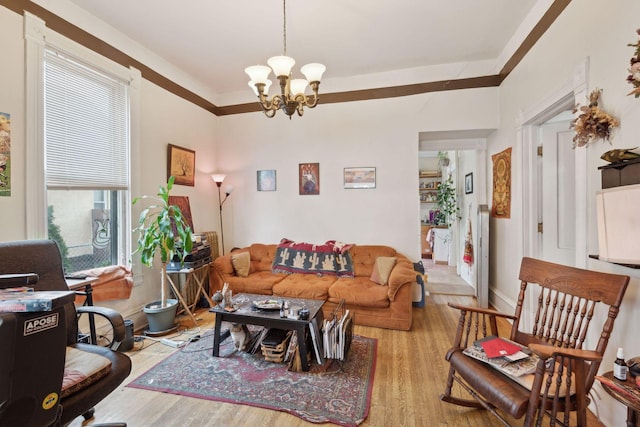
(498, 347)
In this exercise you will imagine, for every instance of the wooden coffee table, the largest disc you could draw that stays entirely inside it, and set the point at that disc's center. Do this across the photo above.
(247, 314)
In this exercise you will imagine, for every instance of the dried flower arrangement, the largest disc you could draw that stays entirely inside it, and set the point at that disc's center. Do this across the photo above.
(634, 69)
(592, 123)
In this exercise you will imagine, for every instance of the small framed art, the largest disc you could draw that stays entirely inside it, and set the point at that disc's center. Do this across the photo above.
(468, 183)
(360, 177)
(309, 178)
(181, 163)
(267, 180)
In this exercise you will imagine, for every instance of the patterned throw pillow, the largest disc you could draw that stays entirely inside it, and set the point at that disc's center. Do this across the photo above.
(382, 269)
(241, 263)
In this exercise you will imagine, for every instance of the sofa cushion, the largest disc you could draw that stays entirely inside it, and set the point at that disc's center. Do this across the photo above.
(364, 257)
(382, 269)
(241, 262)
(262, 256)
(304, 286)
(359, 291)
(259, 282)
(82, 369)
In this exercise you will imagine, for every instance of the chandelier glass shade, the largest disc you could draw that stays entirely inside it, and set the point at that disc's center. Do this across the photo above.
(292, 98)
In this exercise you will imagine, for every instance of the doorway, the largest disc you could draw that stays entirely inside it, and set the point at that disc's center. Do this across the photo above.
(558, 102)
(468, 150)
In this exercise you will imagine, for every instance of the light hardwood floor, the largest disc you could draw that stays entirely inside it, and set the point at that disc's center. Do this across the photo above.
(410, 375)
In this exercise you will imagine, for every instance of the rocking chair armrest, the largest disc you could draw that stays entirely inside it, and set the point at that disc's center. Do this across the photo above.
(480, 310)
(545, 351)
(114, 318)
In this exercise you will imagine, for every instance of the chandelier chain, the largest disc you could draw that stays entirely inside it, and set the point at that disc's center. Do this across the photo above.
(284, 26)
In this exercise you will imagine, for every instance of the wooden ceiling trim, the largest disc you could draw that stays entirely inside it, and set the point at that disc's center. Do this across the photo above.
(99, 46)
(93, 43)
(380, 93)
(538, 30)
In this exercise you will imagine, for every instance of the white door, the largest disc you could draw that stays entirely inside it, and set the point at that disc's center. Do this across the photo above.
(557, 198)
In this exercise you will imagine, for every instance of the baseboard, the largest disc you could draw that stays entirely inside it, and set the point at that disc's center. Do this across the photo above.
(500, 302)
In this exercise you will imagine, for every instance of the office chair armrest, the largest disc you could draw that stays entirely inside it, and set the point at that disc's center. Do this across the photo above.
(14, 280)
(114, 318)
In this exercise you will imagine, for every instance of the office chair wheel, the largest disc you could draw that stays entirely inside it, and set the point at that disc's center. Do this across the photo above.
(89, 414)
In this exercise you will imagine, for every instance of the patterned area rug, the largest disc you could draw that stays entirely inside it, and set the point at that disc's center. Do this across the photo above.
(319, 396)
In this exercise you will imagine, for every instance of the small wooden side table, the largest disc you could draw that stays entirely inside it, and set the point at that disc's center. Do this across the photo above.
(198, 275)
(618, 390)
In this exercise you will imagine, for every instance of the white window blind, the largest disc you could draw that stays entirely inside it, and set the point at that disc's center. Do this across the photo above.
(86, 126)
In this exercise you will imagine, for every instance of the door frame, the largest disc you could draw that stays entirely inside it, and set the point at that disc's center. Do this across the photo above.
(572, 92)
(472, 140)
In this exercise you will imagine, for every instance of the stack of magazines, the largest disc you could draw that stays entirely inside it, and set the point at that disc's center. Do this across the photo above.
(337, 332)
(508, 357)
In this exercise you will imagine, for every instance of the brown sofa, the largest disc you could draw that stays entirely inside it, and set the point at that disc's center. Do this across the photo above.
(385, 306)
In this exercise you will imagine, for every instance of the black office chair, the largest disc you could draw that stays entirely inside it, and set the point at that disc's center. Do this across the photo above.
(42, 258)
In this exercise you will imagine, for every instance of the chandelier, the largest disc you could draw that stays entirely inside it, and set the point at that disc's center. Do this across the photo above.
(291, 98)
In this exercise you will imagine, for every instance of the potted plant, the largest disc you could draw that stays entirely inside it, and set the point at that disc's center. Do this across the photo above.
(162, 230)
(447, 205)
(443, 158)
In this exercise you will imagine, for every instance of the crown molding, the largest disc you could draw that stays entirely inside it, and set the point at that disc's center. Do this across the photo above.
(88, 40)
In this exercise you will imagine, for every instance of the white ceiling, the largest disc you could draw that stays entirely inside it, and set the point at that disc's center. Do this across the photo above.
(214, 40)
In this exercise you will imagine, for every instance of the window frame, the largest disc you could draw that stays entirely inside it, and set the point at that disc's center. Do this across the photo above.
(37, 38)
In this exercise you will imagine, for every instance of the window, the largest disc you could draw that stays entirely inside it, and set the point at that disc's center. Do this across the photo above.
(86, 156)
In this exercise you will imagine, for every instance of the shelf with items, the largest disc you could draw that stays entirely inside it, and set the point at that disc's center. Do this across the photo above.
(430, 174)
(428, 186)
(428, 196)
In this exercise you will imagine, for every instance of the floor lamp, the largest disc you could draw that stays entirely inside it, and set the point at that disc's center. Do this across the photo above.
(218, 179)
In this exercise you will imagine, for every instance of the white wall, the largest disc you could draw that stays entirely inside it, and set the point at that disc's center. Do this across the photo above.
(382, 134)
(599, 31)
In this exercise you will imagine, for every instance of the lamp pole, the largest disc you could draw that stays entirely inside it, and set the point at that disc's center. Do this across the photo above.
(218, 179)
(221, 226)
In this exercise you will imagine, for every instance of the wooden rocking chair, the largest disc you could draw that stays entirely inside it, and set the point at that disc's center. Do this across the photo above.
(567, 299)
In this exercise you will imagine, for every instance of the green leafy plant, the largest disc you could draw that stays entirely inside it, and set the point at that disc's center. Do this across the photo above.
(447, 203)
(443, 158)
(162, 229)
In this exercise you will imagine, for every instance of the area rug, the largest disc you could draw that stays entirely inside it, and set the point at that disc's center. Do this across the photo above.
(326, 394)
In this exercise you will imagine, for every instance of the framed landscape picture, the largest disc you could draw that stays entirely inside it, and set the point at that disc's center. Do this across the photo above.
(267, 180)
(181, 163)
(360, 177)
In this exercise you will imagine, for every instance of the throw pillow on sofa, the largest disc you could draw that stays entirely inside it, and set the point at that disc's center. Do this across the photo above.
(241, 263)
(382, 269)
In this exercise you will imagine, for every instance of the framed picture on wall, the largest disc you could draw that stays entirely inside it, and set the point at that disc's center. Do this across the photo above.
(468, 183)
(360, 177)
(267, 180)
(181, 163)
(309, 178)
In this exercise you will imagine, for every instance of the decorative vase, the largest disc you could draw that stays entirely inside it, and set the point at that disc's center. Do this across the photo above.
(161, 318)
